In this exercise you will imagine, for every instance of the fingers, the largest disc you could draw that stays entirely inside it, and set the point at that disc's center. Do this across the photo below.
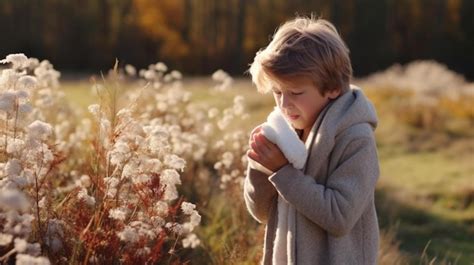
(271, 149)
(269, 145)
(266, 153)
(258, 146)
(258, 150)
(266, 145)
(262, 149)
(253, 155)
(253, 133)
(256, 130)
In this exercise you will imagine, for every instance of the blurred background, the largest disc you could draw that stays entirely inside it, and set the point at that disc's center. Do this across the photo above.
(413, 58)
(199, 36)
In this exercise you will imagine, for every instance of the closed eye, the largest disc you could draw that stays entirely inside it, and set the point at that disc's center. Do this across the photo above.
(297, 93)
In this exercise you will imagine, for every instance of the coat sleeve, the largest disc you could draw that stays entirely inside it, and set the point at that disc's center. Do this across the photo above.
(338, 205)
(259, 194)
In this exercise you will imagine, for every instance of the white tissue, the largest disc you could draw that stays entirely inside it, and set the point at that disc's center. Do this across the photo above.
(279, 131)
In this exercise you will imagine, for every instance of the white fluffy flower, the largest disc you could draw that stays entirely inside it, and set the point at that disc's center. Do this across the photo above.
(143, 251)
(238, 105)
(219, 75)
(7, 101)
(141, 179)
(13, 199)
(27, 82)
(39, 130)
(227, 159)
(18, 60)
(14, 146)
(23, 259)
(85, 181)
(223, 78)
(120, 153)
(188, 208)
(191, 241)
(161, 67)
(128, 234)
(111, 192)
(20, 245)
(83, 196)
(25, 108)
(149, 74)
(21, 94)
(194, 219)
(175, 227)
(167, 78)
(5, 239)
(33, 63)
(170, 177)
(152, 165)
(176, 75)
(111, 182)
(111, 186)
(225, 121)
(143, 229)
(118, 214)
(13, 167)
(175, 162)
(212, 113)
(130, 70)
(94, 109)
(161, 208)
(42, 203)
(194, 216)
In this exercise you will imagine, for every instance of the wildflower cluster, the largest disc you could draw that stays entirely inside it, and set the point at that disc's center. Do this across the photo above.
(121, 199)
(232, 147)
(26, 161)
(77, 187)
(424, 93)
(224, 80)
(195, 127)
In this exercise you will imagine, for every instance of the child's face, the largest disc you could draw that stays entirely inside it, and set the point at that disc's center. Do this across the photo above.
(300, 101)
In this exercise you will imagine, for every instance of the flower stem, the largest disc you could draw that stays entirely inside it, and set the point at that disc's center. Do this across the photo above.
(16, 119)
(6, 131)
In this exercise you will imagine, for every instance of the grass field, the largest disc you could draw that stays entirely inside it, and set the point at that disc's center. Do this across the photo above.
(425, 193)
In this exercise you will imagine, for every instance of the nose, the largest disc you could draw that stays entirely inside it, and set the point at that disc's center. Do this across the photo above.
(285, 101)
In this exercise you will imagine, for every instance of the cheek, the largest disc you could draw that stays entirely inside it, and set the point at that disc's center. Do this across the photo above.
(301, 105)
(309, 110)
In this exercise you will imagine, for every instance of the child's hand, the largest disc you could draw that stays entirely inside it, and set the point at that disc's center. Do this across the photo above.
(265, 152)
(257, 129)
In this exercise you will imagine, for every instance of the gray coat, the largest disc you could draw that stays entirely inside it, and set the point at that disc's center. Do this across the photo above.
(334, 220)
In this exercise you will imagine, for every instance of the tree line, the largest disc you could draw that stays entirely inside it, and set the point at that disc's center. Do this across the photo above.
(200, 36)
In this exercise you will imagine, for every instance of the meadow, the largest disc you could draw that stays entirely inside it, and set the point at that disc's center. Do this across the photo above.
(148, 165)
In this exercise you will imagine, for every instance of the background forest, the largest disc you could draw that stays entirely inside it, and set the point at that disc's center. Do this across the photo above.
(200, 36)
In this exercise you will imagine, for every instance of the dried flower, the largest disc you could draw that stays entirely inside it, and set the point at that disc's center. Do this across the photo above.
(161, 67)
(130, 70)
(83, 196)
(23, 259)
(5, 239)
(18, 60)
(39, 130)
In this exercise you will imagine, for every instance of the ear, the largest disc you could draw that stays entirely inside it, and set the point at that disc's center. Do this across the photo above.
(334, 94)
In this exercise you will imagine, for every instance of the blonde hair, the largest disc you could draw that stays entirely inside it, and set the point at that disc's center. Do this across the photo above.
(307, 47)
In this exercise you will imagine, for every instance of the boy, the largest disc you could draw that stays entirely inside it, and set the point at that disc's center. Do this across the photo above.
(329, 215)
